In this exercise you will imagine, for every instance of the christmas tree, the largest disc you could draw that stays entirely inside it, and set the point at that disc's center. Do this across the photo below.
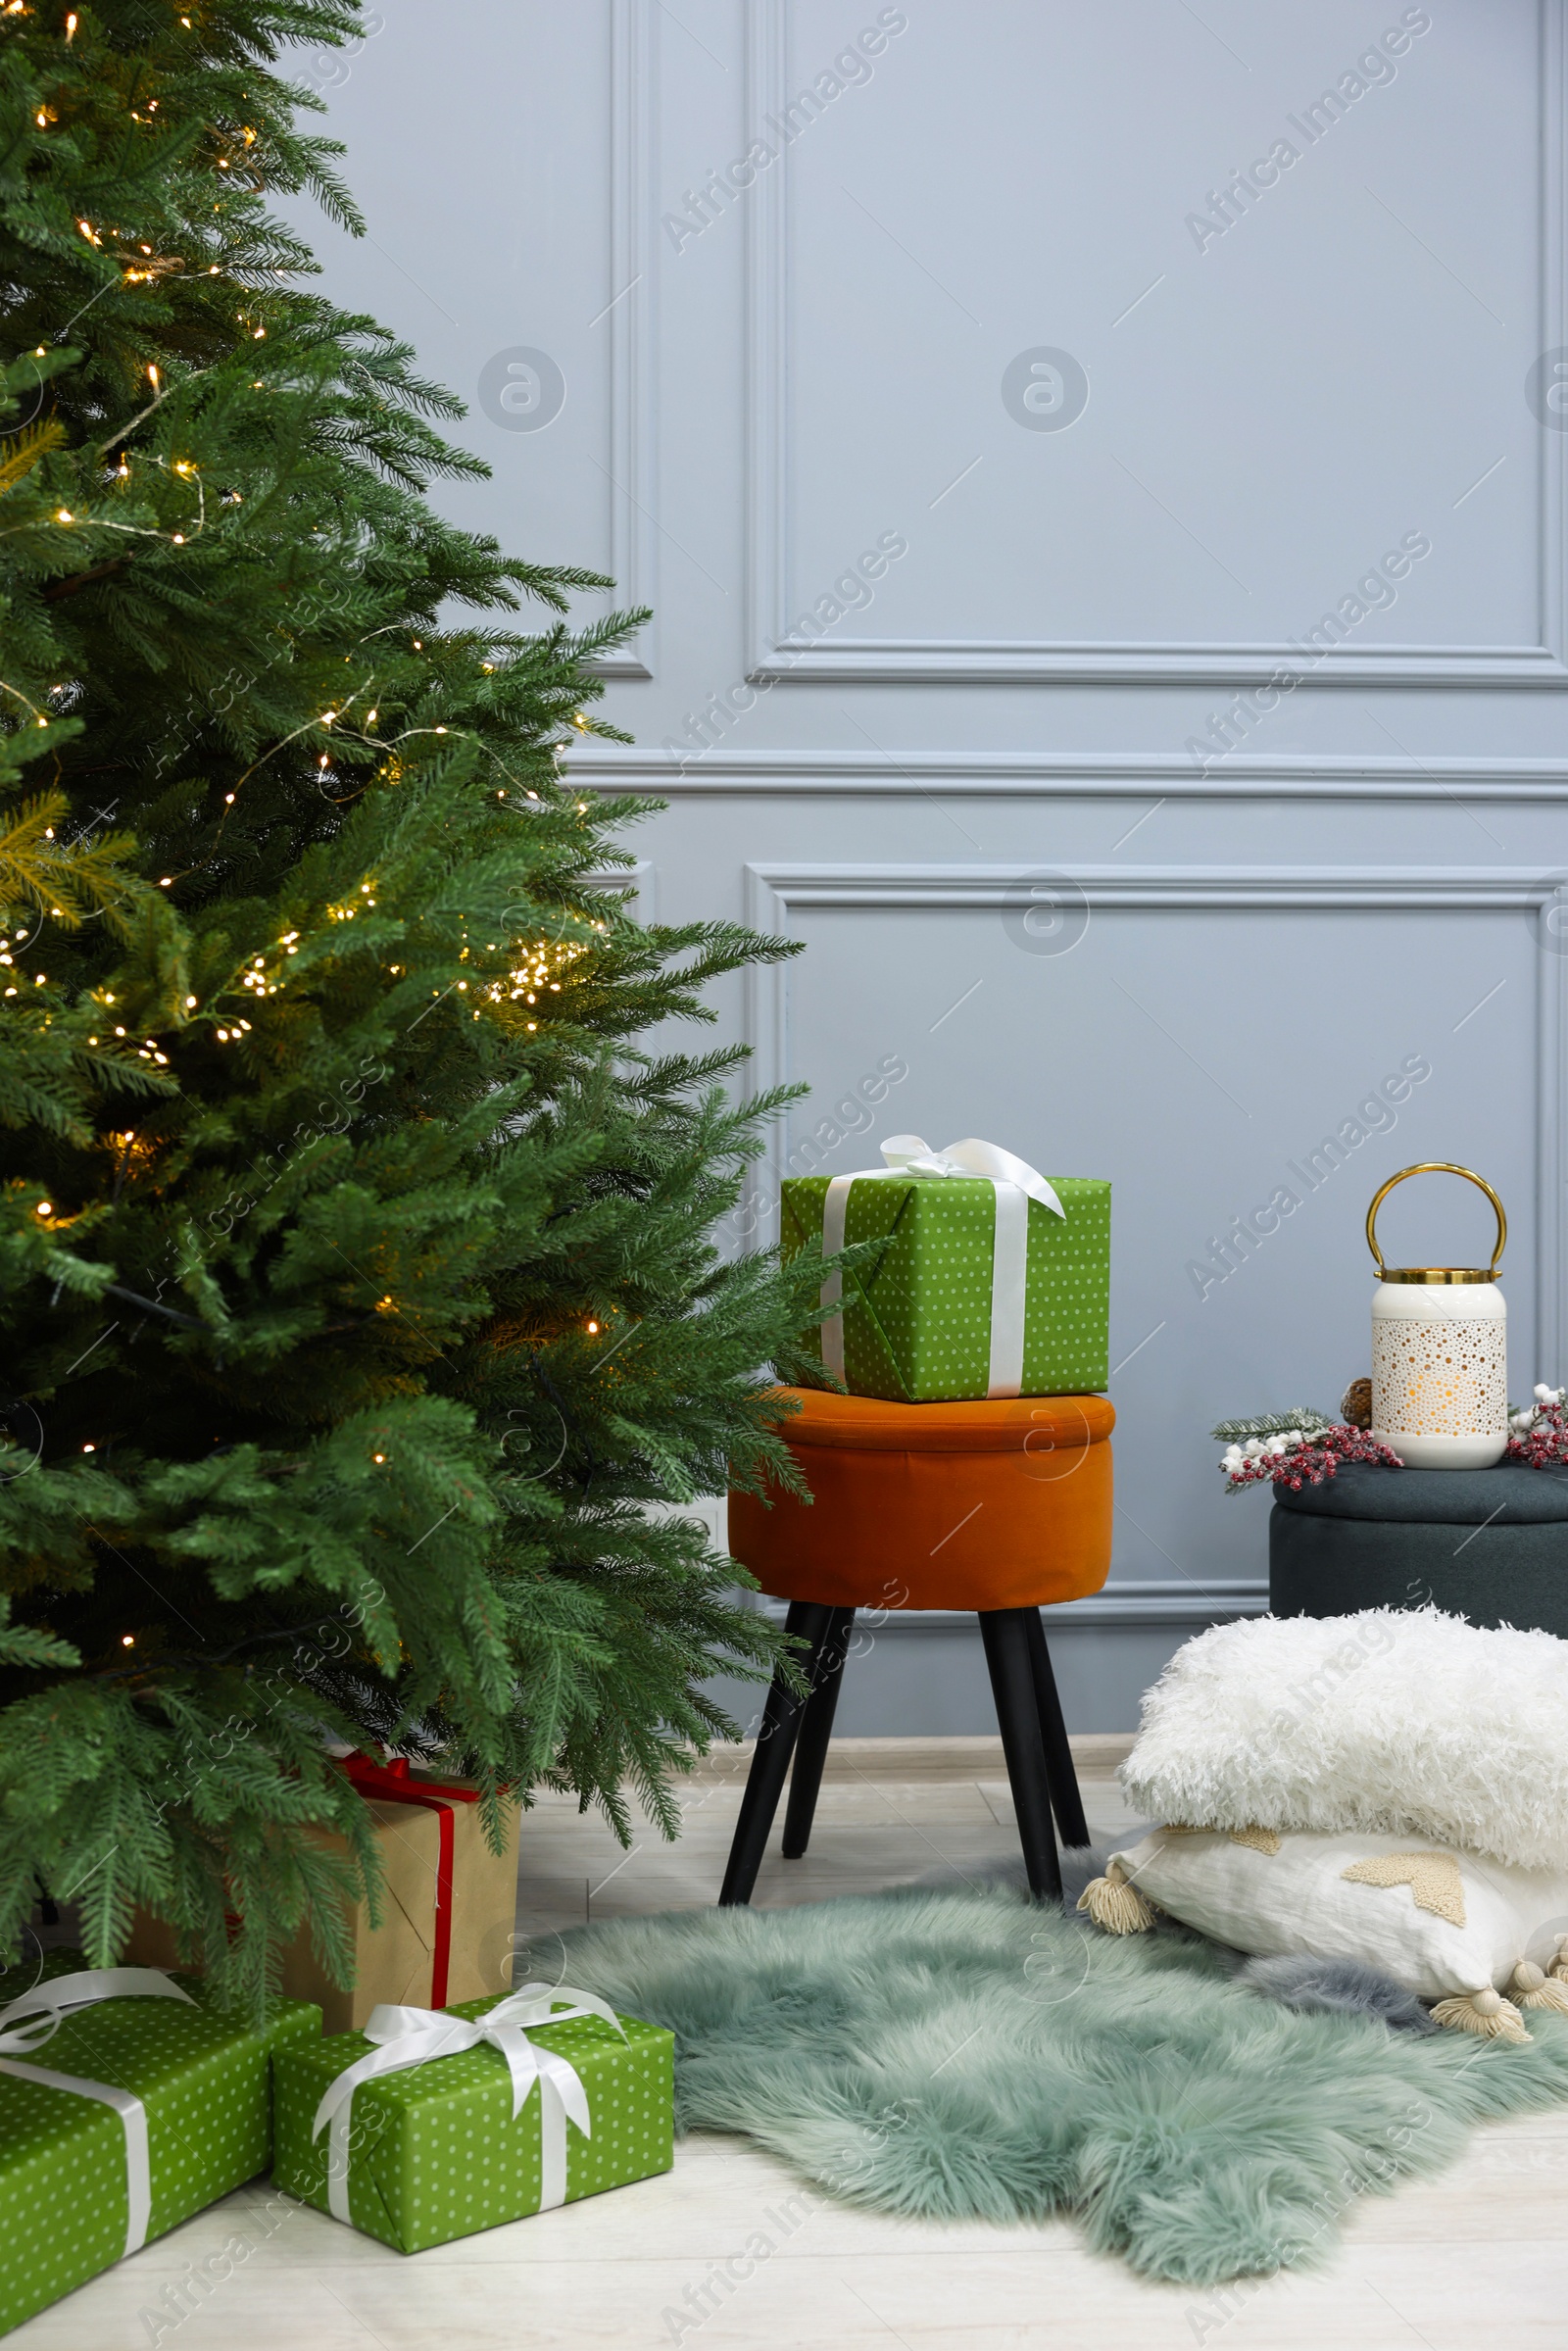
(359, 1269)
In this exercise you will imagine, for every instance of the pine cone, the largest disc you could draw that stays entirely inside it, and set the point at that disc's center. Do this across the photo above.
(1355, 1405)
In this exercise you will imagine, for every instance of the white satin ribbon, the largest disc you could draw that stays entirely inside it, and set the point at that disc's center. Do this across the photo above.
(1016, 1183)
(47, 2005)
(411, 2036)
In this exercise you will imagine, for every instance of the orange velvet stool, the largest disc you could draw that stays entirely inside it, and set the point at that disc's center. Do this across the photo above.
(997, 1506)
(987, 1506)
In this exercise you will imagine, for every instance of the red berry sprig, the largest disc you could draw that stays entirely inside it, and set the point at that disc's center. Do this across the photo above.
(1540, 1439)
(1295, 1459)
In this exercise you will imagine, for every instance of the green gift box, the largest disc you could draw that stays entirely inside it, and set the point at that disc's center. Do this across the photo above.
(128, 2103)
(982, 1288)
(433, 2124)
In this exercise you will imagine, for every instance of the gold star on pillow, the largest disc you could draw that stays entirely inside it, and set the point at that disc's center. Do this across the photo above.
(1434, 1880)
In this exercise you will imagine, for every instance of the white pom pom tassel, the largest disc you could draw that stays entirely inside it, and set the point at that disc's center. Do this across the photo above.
(1485, 2012)
(1533, 1987)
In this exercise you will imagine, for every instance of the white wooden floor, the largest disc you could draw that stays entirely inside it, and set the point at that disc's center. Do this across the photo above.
(1476, 2260)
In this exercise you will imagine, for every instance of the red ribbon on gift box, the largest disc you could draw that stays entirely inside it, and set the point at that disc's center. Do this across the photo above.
(391, 1784)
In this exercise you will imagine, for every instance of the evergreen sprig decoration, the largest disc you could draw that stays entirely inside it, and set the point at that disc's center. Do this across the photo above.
(1303, 1447)
(358, 1256)
(1272, 1424)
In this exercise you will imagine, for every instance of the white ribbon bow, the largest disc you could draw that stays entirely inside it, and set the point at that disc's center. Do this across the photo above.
(1016, 1183)
(909, 1156)
(47, 2005)
(411, 2036)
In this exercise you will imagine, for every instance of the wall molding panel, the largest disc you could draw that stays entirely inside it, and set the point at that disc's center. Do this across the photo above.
(1131, 1600)
(629, 322)
(775, 653)
(773, 891)
(1089, 775)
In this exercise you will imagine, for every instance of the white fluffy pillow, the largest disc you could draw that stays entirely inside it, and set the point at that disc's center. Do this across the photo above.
(1297, 1898)
(1400, 1720)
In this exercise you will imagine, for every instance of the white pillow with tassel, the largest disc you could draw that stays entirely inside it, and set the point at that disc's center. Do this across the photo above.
(1481, 1941)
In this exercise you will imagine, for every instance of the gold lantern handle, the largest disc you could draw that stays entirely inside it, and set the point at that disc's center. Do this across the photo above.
(1438, 1167)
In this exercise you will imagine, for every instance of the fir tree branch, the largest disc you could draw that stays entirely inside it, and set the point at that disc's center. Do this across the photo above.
(75, 581)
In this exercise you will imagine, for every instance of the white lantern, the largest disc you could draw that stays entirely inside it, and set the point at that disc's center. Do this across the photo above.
(1440, 1349)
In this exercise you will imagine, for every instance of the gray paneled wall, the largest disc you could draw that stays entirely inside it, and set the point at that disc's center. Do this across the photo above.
(1099, 475)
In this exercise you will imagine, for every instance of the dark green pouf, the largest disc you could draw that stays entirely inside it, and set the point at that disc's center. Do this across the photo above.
(1491, 1544)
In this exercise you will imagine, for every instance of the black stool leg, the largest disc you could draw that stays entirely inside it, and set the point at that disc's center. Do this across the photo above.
(1065, 1801)
(1005, 1634)
(816, 1729)
(807, 1620)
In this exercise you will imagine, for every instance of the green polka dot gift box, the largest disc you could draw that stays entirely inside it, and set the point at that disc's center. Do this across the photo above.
(990, 1282)
(433, 2124)
(128, 2101)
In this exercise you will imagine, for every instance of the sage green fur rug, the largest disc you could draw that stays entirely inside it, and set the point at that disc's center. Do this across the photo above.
(973, 2056)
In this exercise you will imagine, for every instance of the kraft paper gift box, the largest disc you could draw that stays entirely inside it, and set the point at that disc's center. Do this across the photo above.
(128, 2103)
(448, 1905)
(983, 1287)
(437, 2123)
